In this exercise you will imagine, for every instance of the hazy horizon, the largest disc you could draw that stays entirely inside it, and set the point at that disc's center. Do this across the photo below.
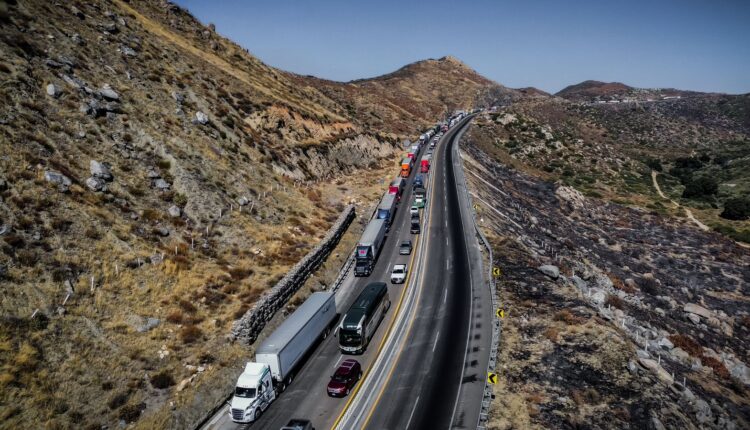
(549, 45)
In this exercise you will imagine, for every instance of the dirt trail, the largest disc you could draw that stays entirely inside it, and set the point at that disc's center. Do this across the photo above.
(689, 213)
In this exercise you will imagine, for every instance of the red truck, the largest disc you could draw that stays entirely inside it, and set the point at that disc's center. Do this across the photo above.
(396, 187)
(425, 164)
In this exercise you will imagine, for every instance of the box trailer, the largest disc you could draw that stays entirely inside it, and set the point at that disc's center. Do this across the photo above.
(280, 355)
(387, 209)
(368, 247)
(397, 187)
(425, 164)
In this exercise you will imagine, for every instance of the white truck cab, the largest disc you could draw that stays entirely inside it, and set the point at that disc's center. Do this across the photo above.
(253, 393)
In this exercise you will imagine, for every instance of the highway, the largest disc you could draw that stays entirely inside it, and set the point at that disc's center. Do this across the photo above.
(435, 378)
(429, 370)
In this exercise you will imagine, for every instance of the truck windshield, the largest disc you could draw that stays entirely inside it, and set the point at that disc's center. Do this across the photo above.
(248, 393)
(349, 337)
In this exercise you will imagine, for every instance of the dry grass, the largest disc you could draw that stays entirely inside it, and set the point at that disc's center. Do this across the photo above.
(615, 302)
(568, 317)
(687, 344)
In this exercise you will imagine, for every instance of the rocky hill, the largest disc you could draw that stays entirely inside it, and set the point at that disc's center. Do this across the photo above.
(698, 148)
(615, 316)
(616, 91)
(400, 101)
(155, 180)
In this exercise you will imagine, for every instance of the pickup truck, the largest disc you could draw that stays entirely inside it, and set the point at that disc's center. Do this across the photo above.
(298, 424)
(398, 275)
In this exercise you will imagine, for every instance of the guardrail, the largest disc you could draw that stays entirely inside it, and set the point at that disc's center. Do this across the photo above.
(496, 326)
(249, 326)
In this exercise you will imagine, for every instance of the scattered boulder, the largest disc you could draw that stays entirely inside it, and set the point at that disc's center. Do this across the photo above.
(178, 97)
(698, 310)
(598, 296)
(200, 118)
(128, 51)
(655, 367)
(76, 38)
(73, 81)
(58, 178)
(108, 93)
(162, 231)
(243, 201)
(153, 174)
(578, 282)
(174, 211)
(53, 91)
(703, 412)
(95, 184)
(100, 170)
(694, 318)
(161, 184)
(551, 271)
(740, 371)
(76, 12)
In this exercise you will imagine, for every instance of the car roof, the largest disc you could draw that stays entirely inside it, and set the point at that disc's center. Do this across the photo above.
(399, 265)
(346, 366)
(406, 242)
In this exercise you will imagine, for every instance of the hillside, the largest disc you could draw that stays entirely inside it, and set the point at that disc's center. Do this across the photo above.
(155, 180)
(428, 89)
(698, 146)
(592, 91)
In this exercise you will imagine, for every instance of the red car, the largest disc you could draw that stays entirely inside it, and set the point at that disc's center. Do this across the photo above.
(344, 378)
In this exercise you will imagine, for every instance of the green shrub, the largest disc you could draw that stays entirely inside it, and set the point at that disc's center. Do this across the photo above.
(736, 209)
(700, 187)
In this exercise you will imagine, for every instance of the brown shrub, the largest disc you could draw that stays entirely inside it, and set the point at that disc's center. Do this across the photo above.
(151, 215)
(687, 344)
(551, 333)
(617, 283)
(240, 273)
(27, 257)
(92, 233)
(568, 317)
(190, 333)
(117, 400)
(648, 286)
(175, 316)
(162, 380)
(718, 367)
(241, 311)
(187, 306)
(131, 413)
(14, 240)
(589, 396)
(615, 302)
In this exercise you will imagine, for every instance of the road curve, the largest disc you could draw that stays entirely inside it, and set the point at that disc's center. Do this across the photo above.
(306, 396)
(435, 378)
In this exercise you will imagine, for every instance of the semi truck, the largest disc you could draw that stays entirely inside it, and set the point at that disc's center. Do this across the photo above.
(368, 247)
(280, 355)
(387, 209)
(425, 164)
(397, 187)
(406, 167)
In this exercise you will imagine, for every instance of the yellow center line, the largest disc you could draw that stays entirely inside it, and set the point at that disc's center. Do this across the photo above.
(382, 341)
(411, 320)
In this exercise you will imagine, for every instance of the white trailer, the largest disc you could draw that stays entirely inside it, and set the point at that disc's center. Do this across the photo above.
(279, 356)
(387, 209)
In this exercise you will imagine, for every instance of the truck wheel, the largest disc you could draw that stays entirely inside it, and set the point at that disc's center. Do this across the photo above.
(326, 332)
(257, 414)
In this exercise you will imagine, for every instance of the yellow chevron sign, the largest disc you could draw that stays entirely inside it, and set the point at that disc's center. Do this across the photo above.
(492, 378)
(496, 272)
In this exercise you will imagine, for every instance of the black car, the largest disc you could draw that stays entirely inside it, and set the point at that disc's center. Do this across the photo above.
(298, 424)
(405, 248)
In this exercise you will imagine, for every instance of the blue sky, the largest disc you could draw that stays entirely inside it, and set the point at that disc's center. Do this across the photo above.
(549, 44)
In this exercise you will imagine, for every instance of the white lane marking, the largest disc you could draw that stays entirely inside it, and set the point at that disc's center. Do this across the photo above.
(462, 213)
(445, 295)
(337, 361)
(411, 415)
(435, 344)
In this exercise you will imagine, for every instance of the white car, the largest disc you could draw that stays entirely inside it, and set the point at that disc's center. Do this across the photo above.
(398, 275)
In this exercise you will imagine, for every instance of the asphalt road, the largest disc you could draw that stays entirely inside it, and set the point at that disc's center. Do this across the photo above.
(306, 396)
(436, 380)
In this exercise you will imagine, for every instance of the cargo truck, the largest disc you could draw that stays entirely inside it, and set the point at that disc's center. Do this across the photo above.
(280, 355)
(425, 163)
(387, 209)
(397, 187)
(368, 247)
(405, 167)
